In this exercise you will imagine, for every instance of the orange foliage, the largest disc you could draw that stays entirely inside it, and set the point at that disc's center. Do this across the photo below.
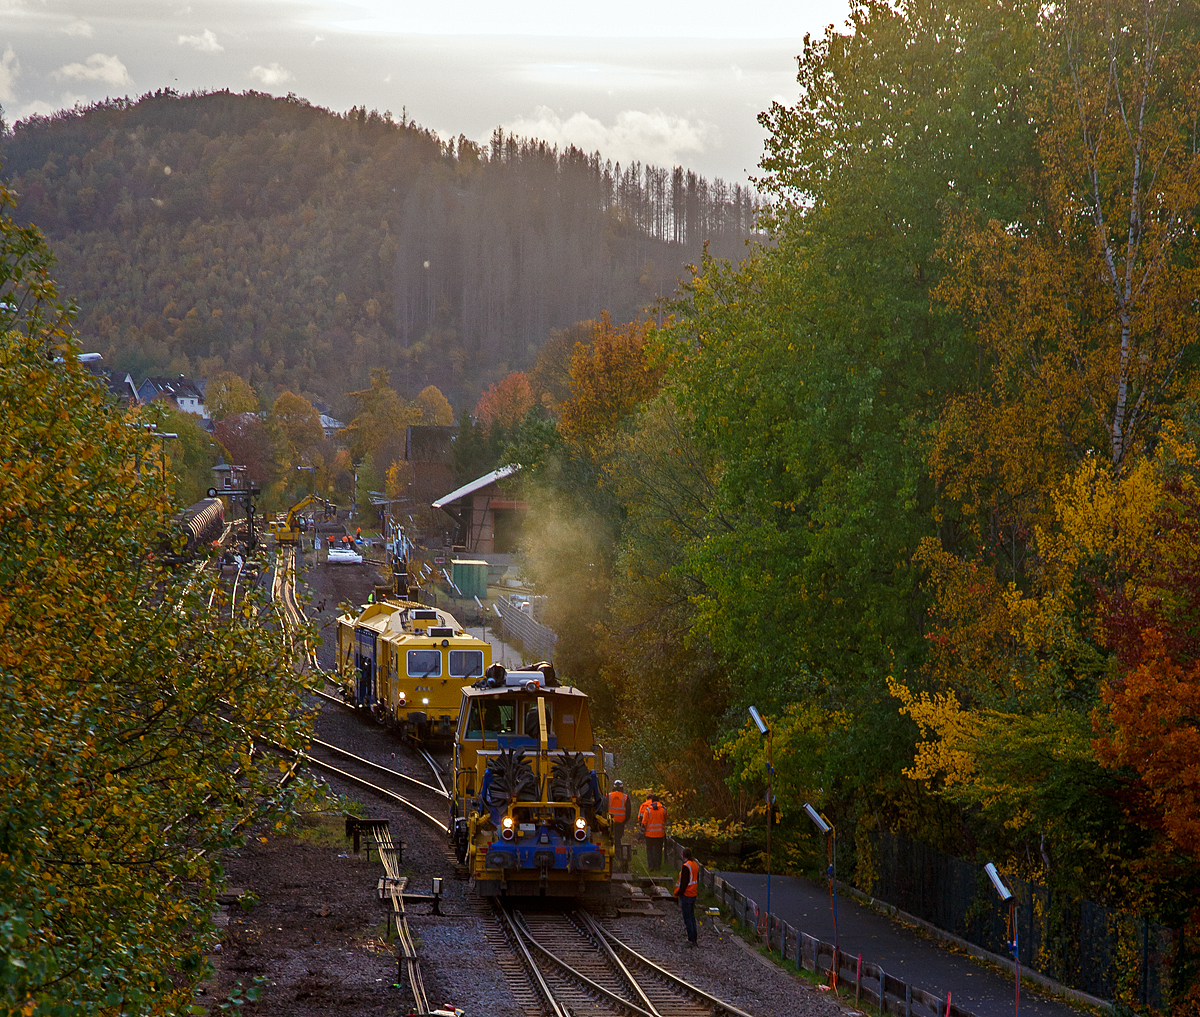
(506, 402)
(610, 378)
(1154, 711)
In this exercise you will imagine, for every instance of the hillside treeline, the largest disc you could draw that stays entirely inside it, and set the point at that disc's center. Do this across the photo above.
(921, 478)
(299, 248)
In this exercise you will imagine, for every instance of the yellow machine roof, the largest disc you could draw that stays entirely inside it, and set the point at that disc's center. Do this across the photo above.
(394, 617)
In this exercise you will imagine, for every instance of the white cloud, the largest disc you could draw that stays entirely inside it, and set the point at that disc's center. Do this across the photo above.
(78, 27)
(206, 43)
(97, 67)
(270, 75)
(651, 137)
(10, 69)
(41, 107)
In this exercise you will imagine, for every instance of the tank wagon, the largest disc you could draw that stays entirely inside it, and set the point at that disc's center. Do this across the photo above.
(200, 524)
(528, 815)
(408, 663)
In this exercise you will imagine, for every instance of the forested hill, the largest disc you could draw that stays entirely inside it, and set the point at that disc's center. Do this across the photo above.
(300, 248)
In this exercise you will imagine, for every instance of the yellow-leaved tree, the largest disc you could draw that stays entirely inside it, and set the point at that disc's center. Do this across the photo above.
(132, 710)
(1085, 312)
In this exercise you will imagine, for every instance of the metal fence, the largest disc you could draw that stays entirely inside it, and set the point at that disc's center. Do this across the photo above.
(870, 982)
(535, 637)
(1080, 944)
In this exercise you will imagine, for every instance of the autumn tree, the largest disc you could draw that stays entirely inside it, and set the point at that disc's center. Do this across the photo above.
(610, 376)
(380, 422)
(130, 766)
(1083, 311)
(299, 422)
(506, 402)
(227, 394)
(1151, 620)
(550, 379)
(248, 442)
(435, 407)
(190, 457)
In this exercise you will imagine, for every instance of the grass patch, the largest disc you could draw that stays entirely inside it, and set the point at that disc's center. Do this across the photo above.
(324, 829)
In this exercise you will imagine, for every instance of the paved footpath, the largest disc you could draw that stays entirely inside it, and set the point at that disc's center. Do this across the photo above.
(901, 950)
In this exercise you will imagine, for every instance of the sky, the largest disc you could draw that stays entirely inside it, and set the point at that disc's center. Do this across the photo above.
(667, 83)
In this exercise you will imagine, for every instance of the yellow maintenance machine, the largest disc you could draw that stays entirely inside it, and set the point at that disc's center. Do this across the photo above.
(408, 663)
(288, 531)
(529, 812)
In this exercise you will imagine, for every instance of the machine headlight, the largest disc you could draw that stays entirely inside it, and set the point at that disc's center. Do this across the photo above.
(507, 831)
(580, 824)
(425, 700)
(507, 822)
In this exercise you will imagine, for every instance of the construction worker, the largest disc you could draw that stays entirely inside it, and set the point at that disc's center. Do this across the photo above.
(654, 824)
(619, 805)
(687, 883)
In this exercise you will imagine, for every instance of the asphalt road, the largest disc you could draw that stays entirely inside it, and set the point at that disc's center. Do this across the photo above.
(902, 951)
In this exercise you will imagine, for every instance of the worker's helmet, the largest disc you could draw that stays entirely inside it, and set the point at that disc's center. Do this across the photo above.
(617, 783)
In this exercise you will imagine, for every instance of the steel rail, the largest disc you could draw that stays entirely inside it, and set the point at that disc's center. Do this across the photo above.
(663, 973)
(512, 934)
(579, 976)
(378, 790)
(588, 924)
(437, 773)
(332, 698)
(378, 766)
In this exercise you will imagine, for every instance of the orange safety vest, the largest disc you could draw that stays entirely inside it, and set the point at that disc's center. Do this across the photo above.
(618, 806)
(693, 868)
(655, 820)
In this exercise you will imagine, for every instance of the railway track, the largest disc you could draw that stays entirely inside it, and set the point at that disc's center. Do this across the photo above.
(557, 964)
(293, 618)
(437, 769)
(353, 768)
(576, 967)
(322, 755)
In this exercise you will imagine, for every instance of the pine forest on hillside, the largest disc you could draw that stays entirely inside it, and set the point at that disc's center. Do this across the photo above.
(300, 248)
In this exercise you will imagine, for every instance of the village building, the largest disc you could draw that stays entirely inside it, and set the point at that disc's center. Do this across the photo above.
(487, 512)
(181, 393)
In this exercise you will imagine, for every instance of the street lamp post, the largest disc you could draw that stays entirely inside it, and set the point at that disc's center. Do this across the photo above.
(828, 830)
(162, 448)
(1006, 897)
(765, 729)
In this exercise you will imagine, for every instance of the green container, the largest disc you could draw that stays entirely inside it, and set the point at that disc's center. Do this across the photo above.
(470, 577)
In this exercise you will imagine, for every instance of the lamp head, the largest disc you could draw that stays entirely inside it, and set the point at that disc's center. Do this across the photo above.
(757, 718)
(1003, 891)
(817, 819)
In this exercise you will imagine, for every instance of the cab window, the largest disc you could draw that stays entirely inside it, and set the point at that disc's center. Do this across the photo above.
(466, 663)
(424, 663)
(498, 719)
(474, 724)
